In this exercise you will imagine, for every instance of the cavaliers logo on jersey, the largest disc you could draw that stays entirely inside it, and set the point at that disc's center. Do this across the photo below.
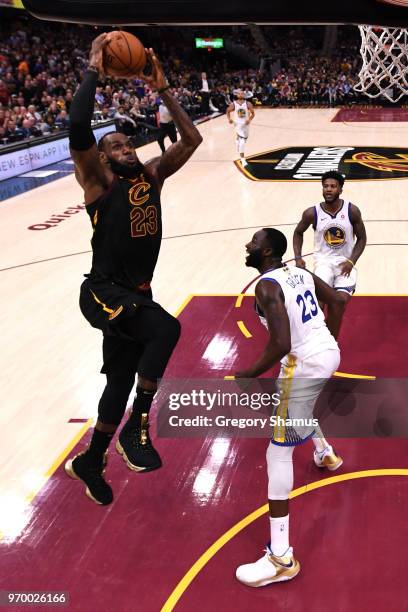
(139, 193)
(143, 219)
(334, 236)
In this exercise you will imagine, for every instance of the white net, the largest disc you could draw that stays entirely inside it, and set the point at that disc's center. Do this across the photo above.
(385, 62)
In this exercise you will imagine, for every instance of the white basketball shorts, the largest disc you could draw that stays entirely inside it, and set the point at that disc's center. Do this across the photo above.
(300, 384)
(330, 272)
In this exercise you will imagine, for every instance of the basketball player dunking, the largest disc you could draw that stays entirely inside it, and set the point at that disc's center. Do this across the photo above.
(243, 115)
(122, 197)
(286, 301)
(339, 239)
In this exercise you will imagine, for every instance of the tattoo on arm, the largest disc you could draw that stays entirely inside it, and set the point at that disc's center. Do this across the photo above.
(178, 153)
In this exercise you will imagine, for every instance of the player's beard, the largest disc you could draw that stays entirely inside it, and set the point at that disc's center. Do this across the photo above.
(125, 170)
(254, 259)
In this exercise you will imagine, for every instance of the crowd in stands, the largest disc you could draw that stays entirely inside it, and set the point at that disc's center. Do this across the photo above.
(42, 63)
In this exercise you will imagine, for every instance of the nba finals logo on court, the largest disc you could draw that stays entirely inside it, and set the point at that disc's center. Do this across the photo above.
(310, 163)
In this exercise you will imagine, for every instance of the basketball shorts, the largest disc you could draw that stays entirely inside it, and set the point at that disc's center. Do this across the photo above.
(330, 272)
(242, 130)
(300, 384)
(106, 305)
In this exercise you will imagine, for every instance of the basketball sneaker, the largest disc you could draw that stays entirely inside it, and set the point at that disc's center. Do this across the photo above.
(327, 458)
(83, 467)
(136, 448)
(269, 569)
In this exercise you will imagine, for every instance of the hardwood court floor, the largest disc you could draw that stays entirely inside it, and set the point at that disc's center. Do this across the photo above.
(175, 537)
(51, 357)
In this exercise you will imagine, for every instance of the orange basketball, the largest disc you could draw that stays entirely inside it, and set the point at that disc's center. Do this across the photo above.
(124, 55)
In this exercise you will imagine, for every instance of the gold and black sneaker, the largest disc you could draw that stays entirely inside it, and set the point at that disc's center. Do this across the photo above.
(83, 467)
(136, 448)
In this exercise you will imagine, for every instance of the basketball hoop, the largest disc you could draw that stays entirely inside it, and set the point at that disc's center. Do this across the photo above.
(385, 62)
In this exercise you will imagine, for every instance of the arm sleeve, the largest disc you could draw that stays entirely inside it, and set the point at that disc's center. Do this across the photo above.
(81, 137)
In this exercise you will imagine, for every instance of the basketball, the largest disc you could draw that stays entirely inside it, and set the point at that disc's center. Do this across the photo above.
(124, 55)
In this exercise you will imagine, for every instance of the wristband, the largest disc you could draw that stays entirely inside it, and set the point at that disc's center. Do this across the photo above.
(298, 257)
(350, 261)
(163, 89)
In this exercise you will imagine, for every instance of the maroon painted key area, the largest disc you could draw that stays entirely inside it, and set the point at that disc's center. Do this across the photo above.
(129, 556)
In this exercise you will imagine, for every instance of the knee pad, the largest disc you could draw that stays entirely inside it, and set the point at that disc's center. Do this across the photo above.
(279, 461)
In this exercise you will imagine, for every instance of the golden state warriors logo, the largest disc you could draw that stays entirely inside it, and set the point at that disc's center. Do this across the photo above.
(310, 163)
(334, 236)
(241, 113)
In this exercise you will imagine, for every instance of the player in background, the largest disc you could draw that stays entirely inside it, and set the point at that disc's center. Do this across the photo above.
(243, 115)
(339, 240)
(286, 301)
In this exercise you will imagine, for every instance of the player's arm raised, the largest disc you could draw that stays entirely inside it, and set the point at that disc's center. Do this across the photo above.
(305, 222)
(190, 138)
(270, 299)
(91, 174)
(360, 233)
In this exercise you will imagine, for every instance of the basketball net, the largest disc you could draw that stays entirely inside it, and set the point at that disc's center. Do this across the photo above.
(385, 62)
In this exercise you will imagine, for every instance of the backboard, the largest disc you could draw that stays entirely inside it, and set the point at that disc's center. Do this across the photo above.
(184, 12)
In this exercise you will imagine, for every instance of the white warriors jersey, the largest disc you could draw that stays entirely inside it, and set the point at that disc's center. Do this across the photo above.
(241, 112)
(334, 234)
(308, 331)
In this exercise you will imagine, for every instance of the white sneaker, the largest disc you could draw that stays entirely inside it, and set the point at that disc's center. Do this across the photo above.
(327, 458)
(268, 569)
(244, 161)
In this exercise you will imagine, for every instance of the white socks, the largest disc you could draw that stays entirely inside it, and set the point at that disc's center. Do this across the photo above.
(279, 535)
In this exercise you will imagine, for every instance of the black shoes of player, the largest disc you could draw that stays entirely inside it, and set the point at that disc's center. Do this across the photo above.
(136, 448)
(85, 468)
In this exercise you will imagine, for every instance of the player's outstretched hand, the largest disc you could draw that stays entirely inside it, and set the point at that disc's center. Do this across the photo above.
(156, 80)
(96, 54)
